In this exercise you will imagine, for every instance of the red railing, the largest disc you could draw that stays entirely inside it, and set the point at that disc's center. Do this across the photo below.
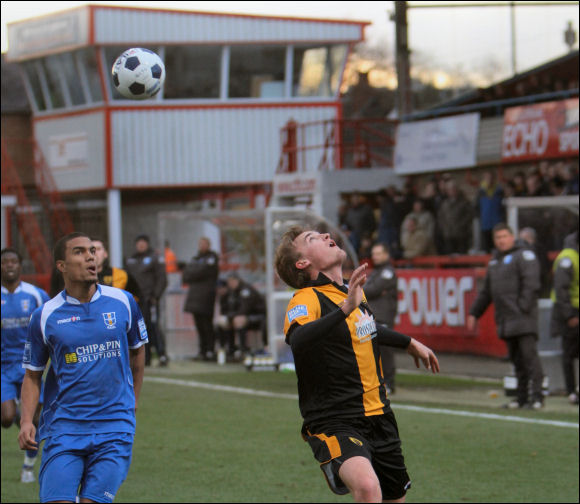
(27, 222)
(336, 144)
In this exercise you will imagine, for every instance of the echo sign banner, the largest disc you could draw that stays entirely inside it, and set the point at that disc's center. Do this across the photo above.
(438, 144)
(544, 130)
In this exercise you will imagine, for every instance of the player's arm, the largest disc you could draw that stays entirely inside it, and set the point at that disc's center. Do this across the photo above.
(137, 363)
(415, 349)
(30, 396)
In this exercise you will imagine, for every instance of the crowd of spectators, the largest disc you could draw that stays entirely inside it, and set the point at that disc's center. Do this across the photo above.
(437, 217)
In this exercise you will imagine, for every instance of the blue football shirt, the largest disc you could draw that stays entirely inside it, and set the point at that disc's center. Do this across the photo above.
(90, 388)
(17, 307)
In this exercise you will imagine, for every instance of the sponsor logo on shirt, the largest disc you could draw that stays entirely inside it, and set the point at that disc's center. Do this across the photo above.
(366, 329)
(94, 352)
(110, 320)
(507, 259)
(528, 255)
(356, 441)
(297, 311)
(142, 329)
(67, 320)
(15, 322)
(25, 305)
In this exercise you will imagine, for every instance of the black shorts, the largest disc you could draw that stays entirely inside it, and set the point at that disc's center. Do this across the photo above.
(375, 438)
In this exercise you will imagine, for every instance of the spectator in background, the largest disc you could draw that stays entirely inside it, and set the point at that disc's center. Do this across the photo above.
(570, 176)
(489, 207)
(115, 277)
(201, 274)
(528, 238)
(171, 265)
(360, 219)
(148, 269)
(432, 199)
(382, 295)
(519, 183)
(564, 321)
(365, 251)
(455, 220)
(414, 241)
(388, 228)
(425, 221)
(243, 308)
(534, 185)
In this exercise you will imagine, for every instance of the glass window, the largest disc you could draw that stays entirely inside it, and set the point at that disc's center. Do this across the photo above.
(192, 72)
(72, 78)
(53, 72)
(317, 70)
(257, 72)
(87, 59)
(35, 86)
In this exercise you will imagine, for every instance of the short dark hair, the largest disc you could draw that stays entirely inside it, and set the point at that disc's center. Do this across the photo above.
(286, 257)
(10, 250)
(383, 245)
(143, 237)
(502, 226)
(99, 239)
(59, 251)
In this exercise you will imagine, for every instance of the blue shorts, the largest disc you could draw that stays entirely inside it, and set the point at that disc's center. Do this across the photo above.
(99, 463)
(12, 376)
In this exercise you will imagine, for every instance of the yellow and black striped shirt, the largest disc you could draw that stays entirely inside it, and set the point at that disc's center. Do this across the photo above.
(337, 358)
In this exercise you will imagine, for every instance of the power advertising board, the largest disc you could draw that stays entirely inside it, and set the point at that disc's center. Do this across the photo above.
(433, 308)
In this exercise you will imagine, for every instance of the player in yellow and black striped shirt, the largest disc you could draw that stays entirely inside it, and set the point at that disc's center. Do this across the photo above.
(334, 338)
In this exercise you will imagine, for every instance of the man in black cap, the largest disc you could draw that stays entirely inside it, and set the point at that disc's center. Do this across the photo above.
(148, 269)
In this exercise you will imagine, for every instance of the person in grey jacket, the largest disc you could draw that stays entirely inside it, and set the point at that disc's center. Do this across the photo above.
(512, 284)
(381, 292)
(201, 274)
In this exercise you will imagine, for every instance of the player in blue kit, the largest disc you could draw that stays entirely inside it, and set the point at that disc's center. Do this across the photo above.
(19, 300)
(94, 337)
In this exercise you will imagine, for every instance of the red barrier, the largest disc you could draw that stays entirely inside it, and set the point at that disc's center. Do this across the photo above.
(433, 308)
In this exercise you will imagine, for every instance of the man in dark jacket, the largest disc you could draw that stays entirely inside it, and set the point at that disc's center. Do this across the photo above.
(148, 269)
(242, 308)
(565, 312)
(455, 217)
(201, 274)
(512, 283)
(381, 292)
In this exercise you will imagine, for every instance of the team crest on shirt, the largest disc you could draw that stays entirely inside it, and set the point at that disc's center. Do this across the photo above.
(110, 320)
(25, 305)
(366, 329)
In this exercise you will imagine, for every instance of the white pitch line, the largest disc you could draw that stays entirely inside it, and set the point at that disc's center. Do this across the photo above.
(396, 406)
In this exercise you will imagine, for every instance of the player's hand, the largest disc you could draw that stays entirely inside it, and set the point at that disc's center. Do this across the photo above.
(573, 322)
(420, 352)
(471, 321)
(26, 436)
(355, 292)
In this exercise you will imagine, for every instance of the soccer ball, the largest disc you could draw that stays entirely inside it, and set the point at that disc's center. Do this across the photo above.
(138, 73)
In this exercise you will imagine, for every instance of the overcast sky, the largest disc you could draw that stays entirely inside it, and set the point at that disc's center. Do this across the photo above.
(460, 39)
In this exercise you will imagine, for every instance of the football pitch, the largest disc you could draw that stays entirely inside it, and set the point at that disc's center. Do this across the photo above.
(210, 437)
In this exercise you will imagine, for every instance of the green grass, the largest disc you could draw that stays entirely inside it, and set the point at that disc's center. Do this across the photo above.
(196, 445)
